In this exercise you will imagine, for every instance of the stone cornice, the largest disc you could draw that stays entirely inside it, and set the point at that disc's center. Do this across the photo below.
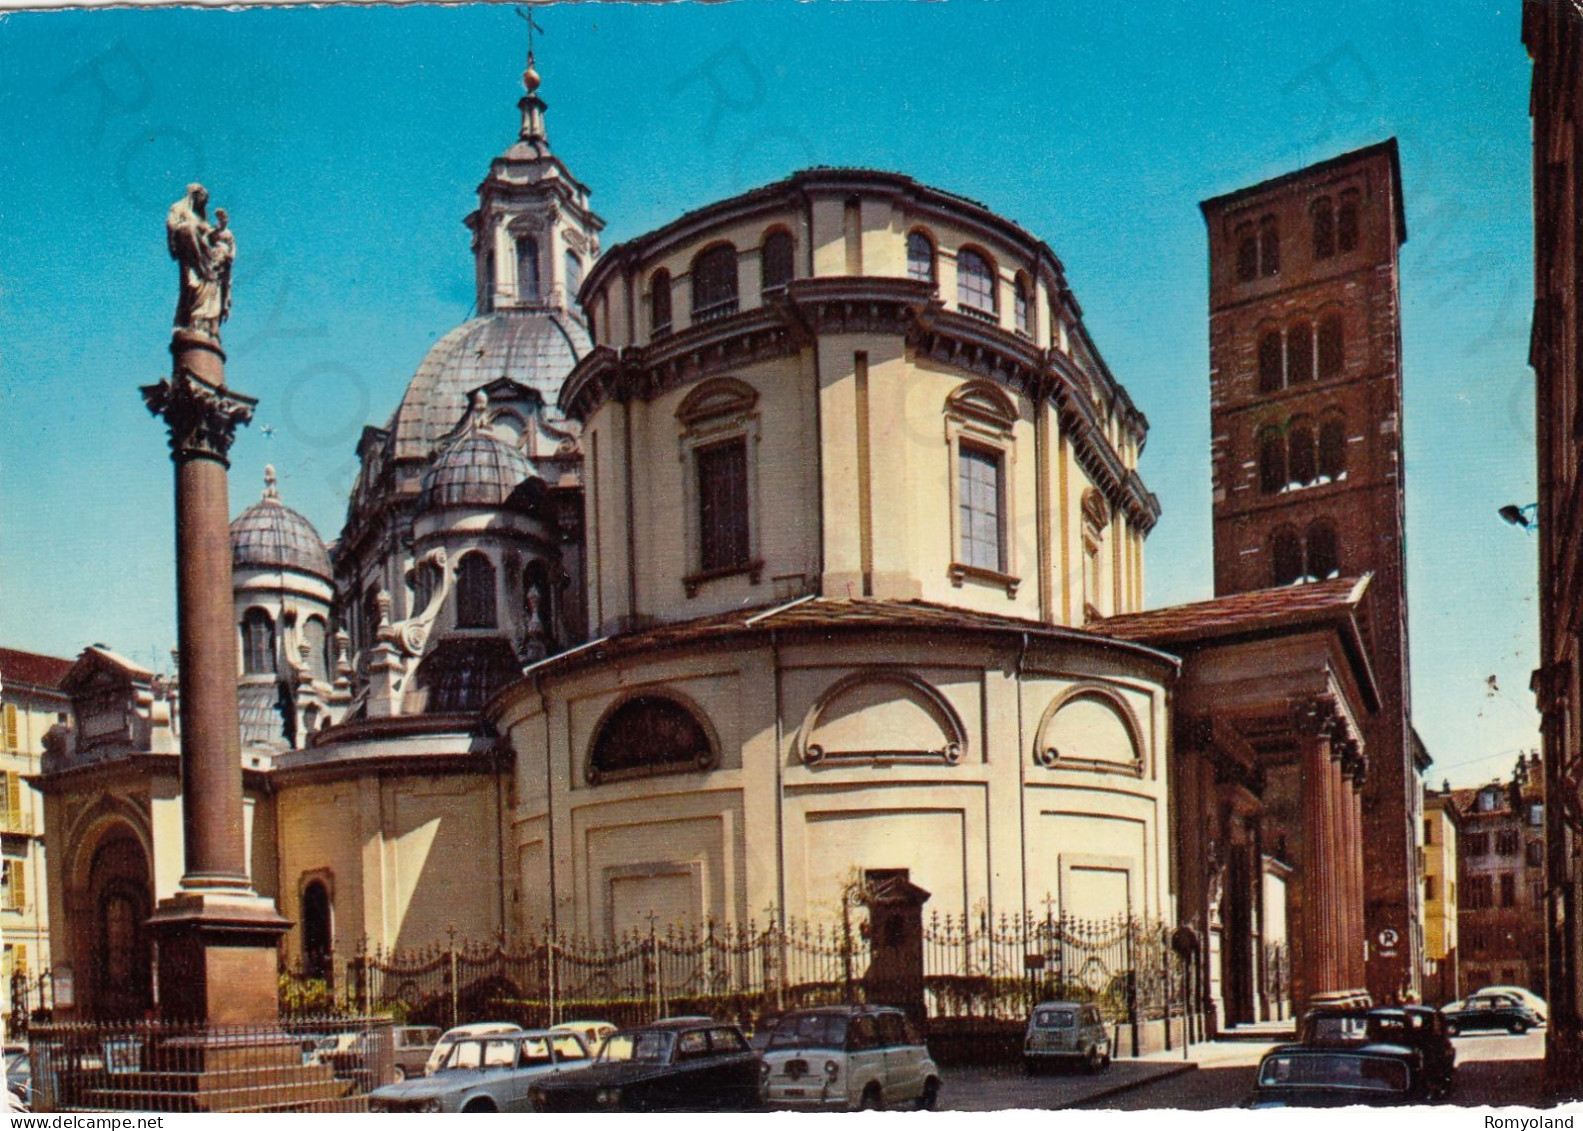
(865, 304)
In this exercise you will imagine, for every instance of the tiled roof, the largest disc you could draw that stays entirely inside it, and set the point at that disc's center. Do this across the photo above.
(270, 535)
(1240, 613)
(17, 666)
(477, 470)
(831, 615)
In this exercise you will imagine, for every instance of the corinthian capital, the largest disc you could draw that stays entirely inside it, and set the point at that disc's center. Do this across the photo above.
(1316, 718)
(202, 418)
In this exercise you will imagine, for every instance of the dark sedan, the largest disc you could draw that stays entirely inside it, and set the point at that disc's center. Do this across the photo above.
(1414, 1027)
(1318, 1076)
(682, 1064)
(1492, 1011)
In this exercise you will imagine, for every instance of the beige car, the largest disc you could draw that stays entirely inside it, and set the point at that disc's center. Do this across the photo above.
(1067, 1032)
(838, 1058)
(592, 1033)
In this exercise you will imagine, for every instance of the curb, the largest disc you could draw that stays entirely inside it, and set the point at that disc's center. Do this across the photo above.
(1117, 1089)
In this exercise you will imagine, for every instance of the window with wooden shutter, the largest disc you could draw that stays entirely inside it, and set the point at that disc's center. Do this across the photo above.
(723, 506)
(11, 741)
(13, 800)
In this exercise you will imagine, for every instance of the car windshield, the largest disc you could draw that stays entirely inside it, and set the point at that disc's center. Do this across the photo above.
(1338, 1029)
(1055, 1018)
(648, 1047)
(809, 1030)
(1333, 1070)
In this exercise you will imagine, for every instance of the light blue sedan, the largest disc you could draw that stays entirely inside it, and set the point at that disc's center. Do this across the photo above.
(487, 1073)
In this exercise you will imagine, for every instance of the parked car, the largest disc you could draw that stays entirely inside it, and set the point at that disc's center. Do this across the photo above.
(1066, 1032)
(1491, 1011)
(843, 1057)
(19, 1074)
(411, 1046)
(442, 1048)
(681, 1064)
(333, 1049)
(1532, 1000)
(1415, 1027)
(483, 1074)
(1321, 1076)
(593, 1033)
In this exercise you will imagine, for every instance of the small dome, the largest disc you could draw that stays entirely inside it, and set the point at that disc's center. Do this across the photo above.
(270, 535)
(478, 470)
(535, 348)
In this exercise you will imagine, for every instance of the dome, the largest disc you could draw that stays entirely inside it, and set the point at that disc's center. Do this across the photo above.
(536, 348)
(270, 535)
(477, 470)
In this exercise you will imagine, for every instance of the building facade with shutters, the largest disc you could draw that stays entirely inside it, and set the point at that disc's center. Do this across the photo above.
(1441, 896)
(1501, 880)
(31, 702)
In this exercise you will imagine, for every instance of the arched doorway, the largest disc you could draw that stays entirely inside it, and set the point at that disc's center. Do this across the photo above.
(317, 931)
(121, 958)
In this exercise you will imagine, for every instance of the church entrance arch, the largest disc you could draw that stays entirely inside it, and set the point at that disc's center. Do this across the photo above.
(120, 901)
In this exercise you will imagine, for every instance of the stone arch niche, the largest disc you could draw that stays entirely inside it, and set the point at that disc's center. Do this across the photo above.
(879, 718)
(1090, 727)
(111, 896)
(318, 926)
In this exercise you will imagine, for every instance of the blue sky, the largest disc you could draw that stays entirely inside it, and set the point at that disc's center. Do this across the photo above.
(347, 144)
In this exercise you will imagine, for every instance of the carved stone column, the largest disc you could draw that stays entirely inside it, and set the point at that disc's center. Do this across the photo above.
(217, 935)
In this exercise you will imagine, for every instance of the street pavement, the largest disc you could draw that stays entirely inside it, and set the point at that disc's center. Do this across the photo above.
(1495, 1069)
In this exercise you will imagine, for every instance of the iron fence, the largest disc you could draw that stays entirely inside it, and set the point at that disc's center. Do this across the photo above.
(32, 999)
(300, 1065)
(960, 967)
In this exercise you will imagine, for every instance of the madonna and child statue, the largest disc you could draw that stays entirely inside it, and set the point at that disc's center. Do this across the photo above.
(204, 251)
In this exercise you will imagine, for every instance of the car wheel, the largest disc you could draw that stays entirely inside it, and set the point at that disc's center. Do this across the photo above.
(871, 1100)
(1094, 1062)
(930, 1099)
(478, 1106)
(399, 1074)
(1518, 1028)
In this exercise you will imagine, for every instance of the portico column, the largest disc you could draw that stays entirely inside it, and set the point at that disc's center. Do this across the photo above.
(1358, 919)
(1320, 876)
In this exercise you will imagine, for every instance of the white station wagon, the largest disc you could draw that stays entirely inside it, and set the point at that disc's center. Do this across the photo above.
(836, 1058)
(1066, 1031)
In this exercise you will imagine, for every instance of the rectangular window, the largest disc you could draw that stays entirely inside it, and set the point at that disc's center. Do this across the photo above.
(1429, 831)
(723, 505)
(14, 879)
(1480, 893)
(1508, 890)
(1479, 844)
(1506, 842)
(1536, 854)
(1536, 892)
(978, 508)
(13, 814)
(11, 742)
(1431, 888)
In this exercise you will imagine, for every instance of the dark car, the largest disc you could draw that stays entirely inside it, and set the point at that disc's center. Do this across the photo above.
(1333, 1076)
(681, 1064)
(1492, 1011)
(1414, 1027)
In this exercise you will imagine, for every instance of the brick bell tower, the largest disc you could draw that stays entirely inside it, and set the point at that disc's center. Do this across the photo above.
(1306, 445)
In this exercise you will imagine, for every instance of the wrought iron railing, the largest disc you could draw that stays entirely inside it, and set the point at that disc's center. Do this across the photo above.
(300, 1065)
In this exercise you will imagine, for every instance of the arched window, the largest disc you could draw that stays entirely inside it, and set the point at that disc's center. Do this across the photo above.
(527, 269)
(1269, 246)
(1332, 449)
(715, 283)
(1270, 362)
(316, 637)
(1022, 306)
(1332, 355)
(318, 938)
(1272, 461)
(1324, 552)
(1286, 557)
(1247, 257)
(258, 643)
(1300, 453)
(1347, 221)
(650, 734)
(1299, 354)
(475, 591)
(660, 303)
(775, 261)
(920, 257)
(1324, 220)
(975, 282)
(574, 275)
